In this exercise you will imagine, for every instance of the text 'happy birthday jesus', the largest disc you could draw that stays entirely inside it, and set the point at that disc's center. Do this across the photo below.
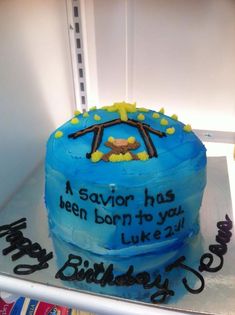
(80, 270)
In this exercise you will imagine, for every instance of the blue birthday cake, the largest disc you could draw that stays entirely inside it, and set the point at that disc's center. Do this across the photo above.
(123, 181)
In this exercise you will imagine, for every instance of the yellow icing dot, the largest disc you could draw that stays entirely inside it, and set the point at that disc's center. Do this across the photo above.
(164, 122)
(131, 140)
(143, 156)
(85, 114)
(174, 116)
(115, 158)
(142, 109)
(187, 128)
(58, 134)
(96, 156)
(155, 115)
(92, 108)
(170, 131)
(111, 139)
(74, 121)
(141, 117)
(162, 110)
(77, 112)
(127, 157)
(97, 117)
(120, 157)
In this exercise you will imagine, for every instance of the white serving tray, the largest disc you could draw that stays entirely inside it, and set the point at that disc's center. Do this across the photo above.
(218, 297)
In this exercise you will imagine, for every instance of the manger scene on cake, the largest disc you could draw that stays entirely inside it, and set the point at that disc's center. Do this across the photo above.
(121, 149)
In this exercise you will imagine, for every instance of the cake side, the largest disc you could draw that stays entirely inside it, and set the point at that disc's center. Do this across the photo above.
(122, 180)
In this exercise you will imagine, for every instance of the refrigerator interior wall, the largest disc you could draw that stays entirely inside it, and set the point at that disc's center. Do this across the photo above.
(178, 54)
(36, 89)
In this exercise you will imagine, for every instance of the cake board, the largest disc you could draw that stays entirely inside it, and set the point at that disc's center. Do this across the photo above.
(218, 296)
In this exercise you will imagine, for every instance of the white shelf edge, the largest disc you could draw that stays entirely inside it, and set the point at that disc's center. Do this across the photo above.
(79, 300)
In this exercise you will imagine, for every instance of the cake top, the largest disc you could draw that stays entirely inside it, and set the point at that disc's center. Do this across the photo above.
(123, 140)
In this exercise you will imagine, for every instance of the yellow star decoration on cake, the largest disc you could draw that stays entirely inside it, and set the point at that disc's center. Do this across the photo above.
(122, 108)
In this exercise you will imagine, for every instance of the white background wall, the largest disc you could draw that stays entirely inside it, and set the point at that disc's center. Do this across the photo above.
(174, 53)
(36, 92)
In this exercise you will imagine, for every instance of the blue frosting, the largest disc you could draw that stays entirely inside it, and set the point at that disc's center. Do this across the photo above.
(156, 202)
(154, 265)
